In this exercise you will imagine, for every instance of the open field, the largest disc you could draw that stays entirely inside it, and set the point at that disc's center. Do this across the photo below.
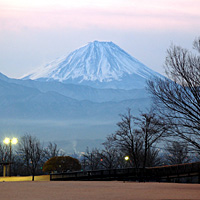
(113, 190)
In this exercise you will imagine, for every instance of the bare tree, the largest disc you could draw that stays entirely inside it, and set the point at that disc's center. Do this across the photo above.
(91, 159)
(111, 157)
(51, 151)
(177, 153)
(153, 157)
(32, 151)
(179, 96)
(128, 139)
(137, 137)
(152, 128)
(107, 158)
(4, 153)
(18, 165)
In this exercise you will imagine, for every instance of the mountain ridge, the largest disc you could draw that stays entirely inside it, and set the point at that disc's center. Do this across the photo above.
(81, 92)
(22, 100)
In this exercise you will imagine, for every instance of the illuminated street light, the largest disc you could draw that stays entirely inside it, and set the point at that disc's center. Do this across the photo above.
(14, 141)
(10, 141)
(126, 158)
(6, 141)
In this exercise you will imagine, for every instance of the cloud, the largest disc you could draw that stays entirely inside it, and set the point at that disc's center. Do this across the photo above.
(79, 18)
(104, 14)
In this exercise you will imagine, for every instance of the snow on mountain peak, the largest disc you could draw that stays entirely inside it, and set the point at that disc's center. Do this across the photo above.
(101, 62)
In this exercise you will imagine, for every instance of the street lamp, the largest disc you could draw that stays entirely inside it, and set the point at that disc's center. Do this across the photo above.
(10, 141)
(126, 158)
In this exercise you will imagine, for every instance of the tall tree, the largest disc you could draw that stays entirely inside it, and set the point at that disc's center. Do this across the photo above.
(153, 128)
(178, 97)
(128, 139)
(137, 137)
(32, 151)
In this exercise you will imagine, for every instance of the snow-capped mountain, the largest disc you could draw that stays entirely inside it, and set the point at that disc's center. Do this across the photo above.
(98, 64)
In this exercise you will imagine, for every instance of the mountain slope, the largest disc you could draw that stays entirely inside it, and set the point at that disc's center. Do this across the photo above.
(98, 64)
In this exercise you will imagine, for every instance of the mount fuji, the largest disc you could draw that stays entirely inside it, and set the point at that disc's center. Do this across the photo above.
(99, 65)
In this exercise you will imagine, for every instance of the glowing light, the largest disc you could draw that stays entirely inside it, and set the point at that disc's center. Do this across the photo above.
(14, 141)
(6, 141)
(126, 158)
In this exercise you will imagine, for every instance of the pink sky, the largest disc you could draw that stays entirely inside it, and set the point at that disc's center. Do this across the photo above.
(36, 31)
(127, 14)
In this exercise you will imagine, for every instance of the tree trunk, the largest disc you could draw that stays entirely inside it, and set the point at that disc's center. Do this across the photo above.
(33, 177)
(33, 174)
(145, 150)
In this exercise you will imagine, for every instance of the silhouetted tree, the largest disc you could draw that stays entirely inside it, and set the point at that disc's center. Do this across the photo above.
(18, 167)
(91, 159)
(179, 96)
(51, 151)
(31, 151)
(107, 158)
(128, 139)
(112, 157)
(153, 128)
(177, 153)
(153, 157)
(137, 138)
(4, 154)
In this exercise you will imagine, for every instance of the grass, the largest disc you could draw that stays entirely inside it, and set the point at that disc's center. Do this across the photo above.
(25, 178)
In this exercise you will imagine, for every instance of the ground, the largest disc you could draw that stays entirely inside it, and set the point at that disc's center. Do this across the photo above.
(42, 189)
(25, 178)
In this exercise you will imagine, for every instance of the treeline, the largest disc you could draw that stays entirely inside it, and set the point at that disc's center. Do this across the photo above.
(141, 142)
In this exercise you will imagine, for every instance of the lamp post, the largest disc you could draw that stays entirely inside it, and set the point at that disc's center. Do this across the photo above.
(126, 158)
(10, 142)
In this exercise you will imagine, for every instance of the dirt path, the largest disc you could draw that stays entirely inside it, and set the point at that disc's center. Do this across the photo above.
(97, 191)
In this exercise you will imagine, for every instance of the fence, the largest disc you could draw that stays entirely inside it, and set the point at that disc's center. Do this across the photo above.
(189, 172)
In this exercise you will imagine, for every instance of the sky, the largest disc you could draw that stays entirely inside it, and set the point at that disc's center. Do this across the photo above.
(33, 33)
